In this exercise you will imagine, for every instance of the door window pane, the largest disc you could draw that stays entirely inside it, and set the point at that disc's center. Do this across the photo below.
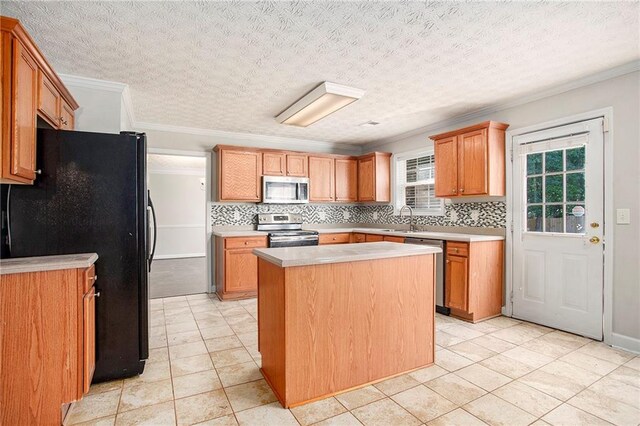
(534, 219)
(554, 218)
(554, 189)
(575, 219)
(575, 186)
(553, 161)
(534, 164)
(575, 158)
(534, 189)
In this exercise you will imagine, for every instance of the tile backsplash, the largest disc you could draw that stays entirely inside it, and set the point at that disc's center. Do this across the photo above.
(491, 214)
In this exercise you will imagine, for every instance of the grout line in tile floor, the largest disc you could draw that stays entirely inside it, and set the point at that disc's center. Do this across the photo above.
(450, 333)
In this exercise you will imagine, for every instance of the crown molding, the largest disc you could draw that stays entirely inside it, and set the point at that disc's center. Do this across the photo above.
(93, 83)
(608, 74)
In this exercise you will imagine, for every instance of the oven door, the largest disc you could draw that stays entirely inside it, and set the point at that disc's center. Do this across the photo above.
(289, 241)
(284, 190)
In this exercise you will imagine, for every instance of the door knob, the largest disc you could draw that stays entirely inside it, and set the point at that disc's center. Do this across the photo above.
(594, 240)
(595, 224)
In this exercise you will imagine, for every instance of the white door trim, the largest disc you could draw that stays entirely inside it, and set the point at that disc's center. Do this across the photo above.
(607, 114)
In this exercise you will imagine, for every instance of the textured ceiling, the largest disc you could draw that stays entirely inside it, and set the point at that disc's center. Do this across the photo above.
(234, 65)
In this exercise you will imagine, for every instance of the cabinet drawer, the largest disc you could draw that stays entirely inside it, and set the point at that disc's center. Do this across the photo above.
(372, 238)
(335, 238)
(242, 242)
(90, 278)
(359, 238)
(393, 239)
(458, 249)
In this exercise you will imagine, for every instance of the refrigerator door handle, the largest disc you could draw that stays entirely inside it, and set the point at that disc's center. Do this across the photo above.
(155, 232)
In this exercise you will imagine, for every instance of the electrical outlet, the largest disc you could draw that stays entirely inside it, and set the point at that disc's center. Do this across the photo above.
(322, 215)
(475, 215)
(623, 216)
(236, 215)
(346, 214)
(375, 215)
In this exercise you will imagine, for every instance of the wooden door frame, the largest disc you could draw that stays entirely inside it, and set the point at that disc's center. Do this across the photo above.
(609, 214)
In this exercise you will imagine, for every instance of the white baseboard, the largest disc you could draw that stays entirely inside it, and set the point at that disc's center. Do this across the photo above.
(625, 342)
(179, 256)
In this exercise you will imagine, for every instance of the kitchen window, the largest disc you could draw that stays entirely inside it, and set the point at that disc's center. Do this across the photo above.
(415, 183)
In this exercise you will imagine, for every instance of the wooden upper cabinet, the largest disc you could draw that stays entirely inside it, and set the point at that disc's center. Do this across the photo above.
(274, 164)
(321, 179)
(239, 174)
(471, 161)
(297, 165)
(30, 89)
(374, 180)
(346, 180)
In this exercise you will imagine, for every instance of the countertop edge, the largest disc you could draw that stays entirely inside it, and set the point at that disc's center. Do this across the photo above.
(23, 265)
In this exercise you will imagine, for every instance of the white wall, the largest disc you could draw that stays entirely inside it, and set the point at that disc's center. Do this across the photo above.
(623, 95)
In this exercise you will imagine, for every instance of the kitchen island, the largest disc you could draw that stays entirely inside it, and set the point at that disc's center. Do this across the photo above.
(337, 317)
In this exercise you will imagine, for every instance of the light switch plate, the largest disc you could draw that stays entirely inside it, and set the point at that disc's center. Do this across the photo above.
(375, 215)
(623, 216)
(236, 215)
(322, 215)
(346, 214)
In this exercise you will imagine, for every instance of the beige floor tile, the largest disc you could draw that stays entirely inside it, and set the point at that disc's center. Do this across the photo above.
(568, 340)
(457, 417)
(211, 323)
(507, 366)
(187, 350)
(626, 375)
(94, 407)
(526, 356)
(202, 407)
(397, 384)
(141, 394)
(359, 397)
(230, 357)
(212, 314)
(203, 307)
(455, 389)
(158, 354)
(527, 398)
(245, 327)
(633, 363)
(502, 322)
(222, 343)
(270, 414)
(451, 361)
(567, 415)
(190, 365)
(617, 390)
(228, 310)
(243, 318)
(317, 411)
(498, 412)
(571, 372)
(105, 387)
(461, 331)
(589, 363)
(557, 386)
(248, 339)
(157, 341)
(253, 351)
(493, 343)
(483, 377)
(428, 373)
(539, 423)
(345, 419)
(606, 408)
(184, 337)
(546, 347)
(517, 334)
(424, 403)
(153, 415)
(228, 420)
(605, 352)
(104, 421)
(383, 413)
(174, 327)
(249, 395)
(212, 332)
(193, 384)
(482, 327)
(153, 372)
(445, 339)
(239, 373)
(472, 351)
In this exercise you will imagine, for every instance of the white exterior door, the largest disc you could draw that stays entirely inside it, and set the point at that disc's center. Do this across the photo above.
(558, 227)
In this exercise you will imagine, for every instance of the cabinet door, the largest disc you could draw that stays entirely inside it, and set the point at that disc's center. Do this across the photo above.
(89, 337)
(359, 238)
(25, 87)
(273, 164)
(456, 283)
(342, 238)
(48, 101)
(297, 165)
(446, 158)
(372, 238)
(321, 176)
(240, 173)
(241, 270)
(67, 116)
(346, 179)
(472, 163)
(393, 239)
(366, 179)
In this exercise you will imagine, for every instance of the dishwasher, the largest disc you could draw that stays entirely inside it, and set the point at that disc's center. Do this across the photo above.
(440, 308)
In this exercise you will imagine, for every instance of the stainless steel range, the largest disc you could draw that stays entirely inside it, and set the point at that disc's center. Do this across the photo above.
(285, 230)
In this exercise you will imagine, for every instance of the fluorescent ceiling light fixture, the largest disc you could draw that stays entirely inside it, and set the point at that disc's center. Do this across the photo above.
(325, 99)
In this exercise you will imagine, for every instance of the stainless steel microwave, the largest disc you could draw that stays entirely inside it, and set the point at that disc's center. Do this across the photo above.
(285, 190)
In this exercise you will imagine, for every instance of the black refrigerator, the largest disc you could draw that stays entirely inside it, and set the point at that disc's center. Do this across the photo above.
(91, 196)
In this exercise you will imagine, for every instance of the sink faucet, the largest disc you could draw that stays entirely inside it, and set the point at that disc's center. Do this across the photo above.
(412, 227)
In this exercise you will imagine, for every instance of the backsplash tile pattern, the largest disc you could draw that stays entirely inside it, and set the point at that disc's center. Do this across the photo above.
(475, 214)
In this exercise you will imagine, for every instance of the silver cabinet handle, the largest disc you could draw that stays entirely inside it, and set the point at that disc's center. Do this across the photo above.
(95, 278)
(97, 294)
(38, 171)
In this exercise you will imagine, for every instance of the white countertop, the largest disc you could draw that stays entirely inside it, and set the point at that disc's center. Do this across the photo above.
(337, 253)
(20, 265)
(230, 234)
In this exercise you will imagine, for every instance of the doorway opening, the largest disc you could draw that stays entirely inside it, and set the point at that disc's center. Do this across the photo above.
(178, 188)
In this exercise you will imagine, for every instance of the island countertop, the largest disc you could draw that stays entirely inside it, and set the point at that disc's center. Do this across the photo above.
(337, 253)
(21, 265)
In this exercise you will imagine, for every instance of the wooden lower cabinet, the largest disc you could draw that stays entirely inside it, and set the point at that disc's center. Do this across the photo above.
(372, 238)
(474, 279)
(393, 239)
(357, 237)
(237, 266)
(47, 324)
(341, 238)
